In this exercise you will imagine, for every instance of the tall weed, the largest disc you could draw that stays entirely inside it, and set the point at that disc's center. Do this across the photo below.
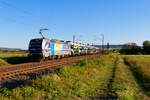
(141, 69)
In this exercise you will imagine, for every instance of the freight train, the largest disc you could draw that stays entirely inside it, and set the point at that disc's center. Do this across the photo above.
(43, 48)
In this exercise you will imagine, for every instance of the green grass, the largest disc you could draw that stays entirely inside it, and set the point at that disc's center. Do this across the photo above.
(85, 79)
(125, 85)
(140, 65)
(8, 55)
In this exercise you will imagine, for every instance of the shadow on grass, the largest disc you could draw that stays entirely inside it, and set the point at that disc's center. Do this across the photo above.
(110, 93)
(140, 79)
(17, 60)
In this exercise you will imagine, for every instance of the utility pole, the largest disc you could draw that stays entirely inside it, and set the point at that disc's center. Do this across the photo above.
(74, 39)
(108, 46)
(102, 43)
(41, 30)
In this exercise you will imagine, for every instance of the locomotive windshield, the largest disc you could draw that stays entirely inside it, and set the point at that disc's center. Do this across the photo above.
(35, 46)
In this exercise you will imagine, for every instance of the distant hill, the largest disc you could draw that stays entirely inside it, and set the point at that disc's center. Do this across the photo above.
(16, 49)
(110, 46)
(4, 49)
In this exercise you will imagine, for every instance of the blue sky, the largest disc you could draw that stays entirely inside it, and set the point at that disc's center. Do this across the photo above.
(121, 21)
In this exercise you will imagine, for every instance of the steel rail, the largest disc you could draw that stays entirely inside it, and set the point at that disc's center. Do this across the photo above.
(31, 64)
(21, 71)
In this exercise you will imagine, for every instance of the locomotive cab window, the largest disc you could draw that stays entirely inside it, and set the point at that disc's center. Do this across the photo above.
(35, 45)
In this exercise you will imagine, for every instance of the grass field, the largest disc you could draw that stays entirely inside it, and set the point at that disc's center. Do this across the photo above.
(110, 77)
(8, 55)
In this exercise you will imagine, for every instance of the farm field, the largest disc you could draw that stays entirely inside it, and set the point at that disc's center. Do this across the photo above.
(7, 55)
(110, 77)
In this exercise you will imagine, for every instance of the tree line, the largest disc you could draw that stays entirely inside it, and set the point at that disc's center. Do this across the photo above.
(133, 48)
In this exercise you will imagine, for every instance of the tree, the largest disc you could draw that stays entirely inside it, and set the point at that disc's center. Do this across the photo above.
(146, 47)
(108, 46)
(125, 49)
(135, 49)
(130, 48)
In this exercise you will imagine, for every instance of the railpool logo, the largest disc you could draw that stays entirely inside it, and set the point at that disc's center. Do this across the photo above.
(47, 47)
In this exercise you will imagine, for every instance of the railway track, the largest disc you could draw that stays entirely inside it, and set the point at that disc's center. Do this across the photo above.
(23, 71)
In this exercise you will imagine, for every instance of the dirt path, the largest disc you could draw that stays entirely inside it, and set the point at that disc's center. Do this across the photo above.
(122, 84)
(125, 84)
(108, 93)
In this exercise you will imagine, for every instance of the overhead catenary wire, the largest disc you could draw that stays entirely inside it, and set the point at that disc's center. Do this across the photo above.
(20, 10)
(12, 19)
(14, 7)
